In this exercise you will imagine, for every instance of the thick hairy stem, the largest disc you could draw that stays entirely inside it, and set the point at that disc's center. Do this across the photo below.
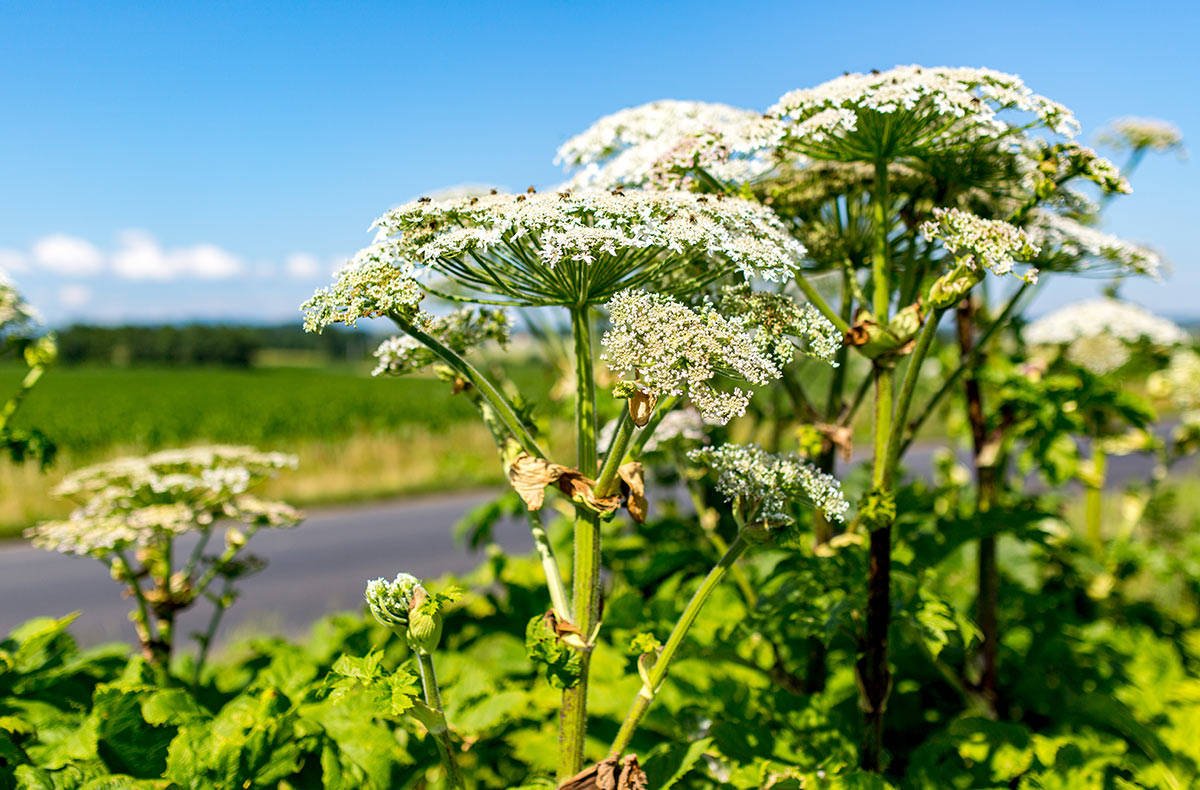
(607, 481)
(1094, 496)
(908, 388)
(874, 676)
(586, 575)
(438, 727)
(658, 672)
(988, 581)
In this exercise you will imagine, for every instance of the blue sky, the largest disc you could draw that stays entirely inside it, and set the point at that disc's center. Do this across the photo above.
(170, 161)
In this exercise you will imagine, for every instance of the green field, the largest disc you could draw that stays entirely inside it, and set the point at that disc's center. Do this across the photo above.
(357, 437)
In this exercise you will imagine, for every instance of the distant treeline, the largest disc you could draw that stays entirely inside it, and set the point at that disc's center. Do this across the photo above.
(202, 344)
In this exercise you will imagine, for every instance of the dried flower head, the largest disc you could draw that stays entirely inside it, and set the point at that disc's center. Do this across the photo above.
(377, 283)
(910, 110)
(669, 348)
(1096, 334)
(460, 331)
(135, 502)
(573, 248)
(1143, 134)
(654, 144)
(981, 243)
(765, 486)
(1069, 245)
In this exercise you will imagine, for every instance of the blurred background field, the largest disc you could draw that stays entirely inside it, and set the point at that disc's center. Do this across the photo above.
(357, 437)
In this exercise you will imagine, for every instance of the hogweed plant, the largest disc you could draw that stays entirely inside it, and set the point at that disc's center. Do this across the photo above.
(138, 517)
(908, 187)
(647, 260)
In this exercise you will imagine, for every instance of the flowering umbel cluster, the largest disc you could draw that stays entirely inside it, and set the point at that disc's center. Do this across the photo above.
(666, 347)
(908, 110)
(652, 144)
(16, 315)
(981, 243)
(139, 502)
(1097, 334)
(377, 283)
(781, 321)
(764, 486)
(459, 331)
(1068, 244)
(581, 247)
(1140, 134)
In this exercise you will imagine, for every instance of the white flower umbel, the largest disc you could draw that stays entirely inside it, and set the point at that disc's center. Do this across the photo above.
(781, 321)
(1095, 334)
(390, 601)
(764, 486)
(578, 248)
(650, 144)
(669, 348)
(459, 331)
(139, 501)
(377, 283)
(908, 110)
(1069, 245)
(981, 243)
(1140, 134)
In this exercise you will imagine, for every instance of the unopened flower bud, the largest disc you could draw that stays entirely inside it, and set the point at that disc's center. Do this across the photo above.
(235, 538)
(389, 601)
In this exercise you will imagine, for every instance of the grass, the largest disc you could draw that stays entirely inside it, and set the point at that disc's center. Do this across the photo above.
(357, 437)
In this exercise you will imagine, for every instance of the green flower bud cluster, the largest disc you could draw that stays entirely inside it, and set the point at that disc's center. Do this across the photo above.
(408, 609)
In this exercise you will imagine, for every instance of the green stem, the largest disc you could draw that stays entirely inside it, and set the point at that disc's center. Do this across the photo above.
(1094, 496)
(586, 574)
(658, 672)
(554, 580)
(214, 622)
(439, 729)
(14, 403)
(818, 301)
(948, 385)
(873, 672)
(504, 410)
(606, 482)
(908, 386)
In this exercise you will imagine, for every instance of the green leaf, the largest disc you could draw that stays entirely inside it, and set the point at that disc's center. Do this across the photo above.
(667, 763)
(560, 664)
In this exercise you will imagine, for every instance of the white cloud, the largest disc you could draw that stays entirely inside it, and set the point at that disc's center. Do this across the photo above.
(141, 257)
(64, 254)
(12, 261)
(74, 296)
(302, 266)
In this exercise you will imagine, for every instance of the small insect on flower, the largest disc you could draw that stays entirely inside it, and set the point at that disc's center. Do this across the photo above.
(765, 486)
(669, 348)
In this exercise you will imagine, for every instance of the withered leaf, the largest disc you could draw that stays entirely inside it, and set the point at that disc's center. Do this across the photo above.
(839, 436)
(641, 406)
(581, 489)
(635, 501)
(529, 476)
(610, 774)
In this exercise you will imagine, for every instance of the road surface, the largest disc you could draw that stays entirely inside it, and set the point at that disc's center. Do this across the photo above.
(315, 569)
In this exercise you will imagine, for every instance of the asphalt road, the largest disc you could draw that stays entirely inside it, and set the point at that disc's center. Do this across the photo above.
(315, 569)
